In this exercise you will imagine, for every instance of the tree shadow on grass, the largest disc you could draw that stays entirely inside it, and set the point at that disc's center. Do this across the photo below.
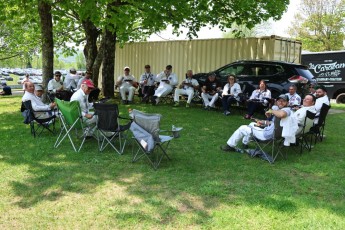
(196, 181)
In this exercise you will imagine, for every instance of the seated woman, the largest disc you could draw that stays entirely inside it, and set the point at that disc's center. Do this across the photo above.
(259, 98)
(230, 93)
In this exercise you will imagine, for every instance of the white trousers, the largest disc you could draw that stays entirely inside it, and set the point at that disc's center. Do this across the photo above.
(189, 92)
(244, 133)
(163, 90)
(209, 100)
(124, 89)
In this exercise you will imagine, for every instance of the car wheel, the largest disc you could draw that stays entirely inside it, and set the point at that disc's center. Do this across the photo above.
(340, 99)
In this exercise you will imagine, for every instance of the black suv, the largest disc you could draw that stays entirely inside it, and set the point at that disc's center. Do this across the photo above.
(278, 76)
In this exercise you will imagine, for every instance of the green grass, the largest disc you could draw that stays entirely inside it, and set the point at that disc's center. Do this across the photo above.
(201, 187)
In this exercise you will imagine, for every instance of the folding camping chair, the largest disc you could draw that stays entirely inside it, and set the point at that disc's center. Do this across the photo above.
(41, 123)
(272, 146)
(146, 129)
(305, 133)
(71, 120)
(109, 128)
(318, 128)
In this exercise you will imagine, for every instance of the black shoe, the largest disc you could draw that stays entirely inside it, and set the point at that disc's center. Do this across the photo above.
(227, 148)
(245, 146)
(124, 102)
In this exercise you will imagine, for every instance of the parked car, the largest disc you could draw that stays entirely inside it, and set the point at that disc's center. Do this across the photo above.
(2, 80)
(278, 76)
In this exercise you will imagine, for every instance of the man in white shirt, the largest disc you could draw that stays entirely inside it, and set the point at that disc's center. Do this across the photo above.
(55, 85)
(294, 98)
(300, 114)
(167, 82)
(36, 103)
(187, 87)
(71, 80)
(82, 95)
(321, 98)
(95, 92)
(126, 82)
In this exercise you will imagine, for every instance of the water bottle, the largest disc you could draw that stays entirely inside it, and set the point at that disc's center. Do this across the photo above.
(173, 128)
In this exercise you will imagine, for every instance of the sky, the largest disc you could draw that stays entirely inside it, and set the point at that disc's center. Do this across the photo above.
(278, 28)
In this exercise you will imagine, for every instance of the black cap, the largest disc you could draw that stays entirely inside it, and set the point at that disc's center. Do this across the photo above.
(321, 87)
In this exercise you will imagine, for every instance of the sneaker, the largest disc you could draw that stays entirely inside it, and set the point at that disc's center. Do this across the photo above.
(187, 105)
(227, 148)
(244, 146)
(129, 102)
(176, 104)
(157, 100)
(124, 102)
(226, 113)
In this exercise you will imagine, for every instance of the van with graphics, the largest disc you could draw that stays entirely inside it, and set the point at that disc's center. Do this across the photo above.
(329, 70)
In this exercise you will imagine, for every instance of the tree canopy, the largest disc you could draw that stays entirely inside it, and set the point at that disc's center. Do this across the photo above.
(99, 24)
(320, 25)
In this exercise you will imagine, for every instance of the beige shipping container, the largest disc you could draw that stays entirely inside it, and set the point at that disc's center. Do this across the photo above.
(203, 55)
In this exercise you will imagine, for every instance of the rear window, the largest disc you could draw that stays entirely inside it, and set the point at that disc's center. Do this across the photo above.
(305, 73)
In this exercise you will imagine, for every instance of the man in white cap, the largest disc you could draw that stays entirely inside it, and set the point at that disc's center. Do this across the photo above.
(126, 82)
(82, 95)
(167, 82)
(36, 103)
(71, 80)
(244, 132)
(39, 91)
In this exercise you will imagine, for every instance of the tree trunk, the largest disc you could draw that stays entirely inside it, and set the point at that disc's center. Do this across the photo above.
(108, 63)
(90, 49)
(97, 63)
(44, 10)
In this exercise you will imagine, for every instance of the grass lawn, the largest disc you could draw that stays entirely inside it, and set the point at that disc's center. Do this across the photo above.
(201, 187)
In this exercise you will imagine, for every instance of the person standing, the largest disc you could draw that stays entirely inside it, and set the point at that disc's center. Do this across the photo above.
(25, 80)
(147, 84)
(167, 82)
(125, 82)
(71, 80)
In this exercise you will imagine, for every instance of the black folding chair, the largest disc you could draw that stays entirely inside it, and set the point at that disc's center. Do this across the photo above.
(306, 137)
(319, 127)
(109, 128)
(41, 123)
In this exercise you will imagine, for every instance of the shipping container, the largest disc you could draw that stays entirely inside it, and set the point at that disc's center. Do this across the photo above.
(203, 55)
(329, 70)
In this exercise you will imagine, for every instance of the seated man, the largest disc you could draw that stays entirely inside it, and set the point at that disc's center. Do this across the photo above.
(210, 91)
(36, 103)
(321, 98)
(95, 92)
(300, 114)
(187, 87)
(147, 84)
(125, 82)
(6, 90)
(244, 132)
(39, 91)
(294, 98)
(56, 88)
(167, 81)
(82, 95)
